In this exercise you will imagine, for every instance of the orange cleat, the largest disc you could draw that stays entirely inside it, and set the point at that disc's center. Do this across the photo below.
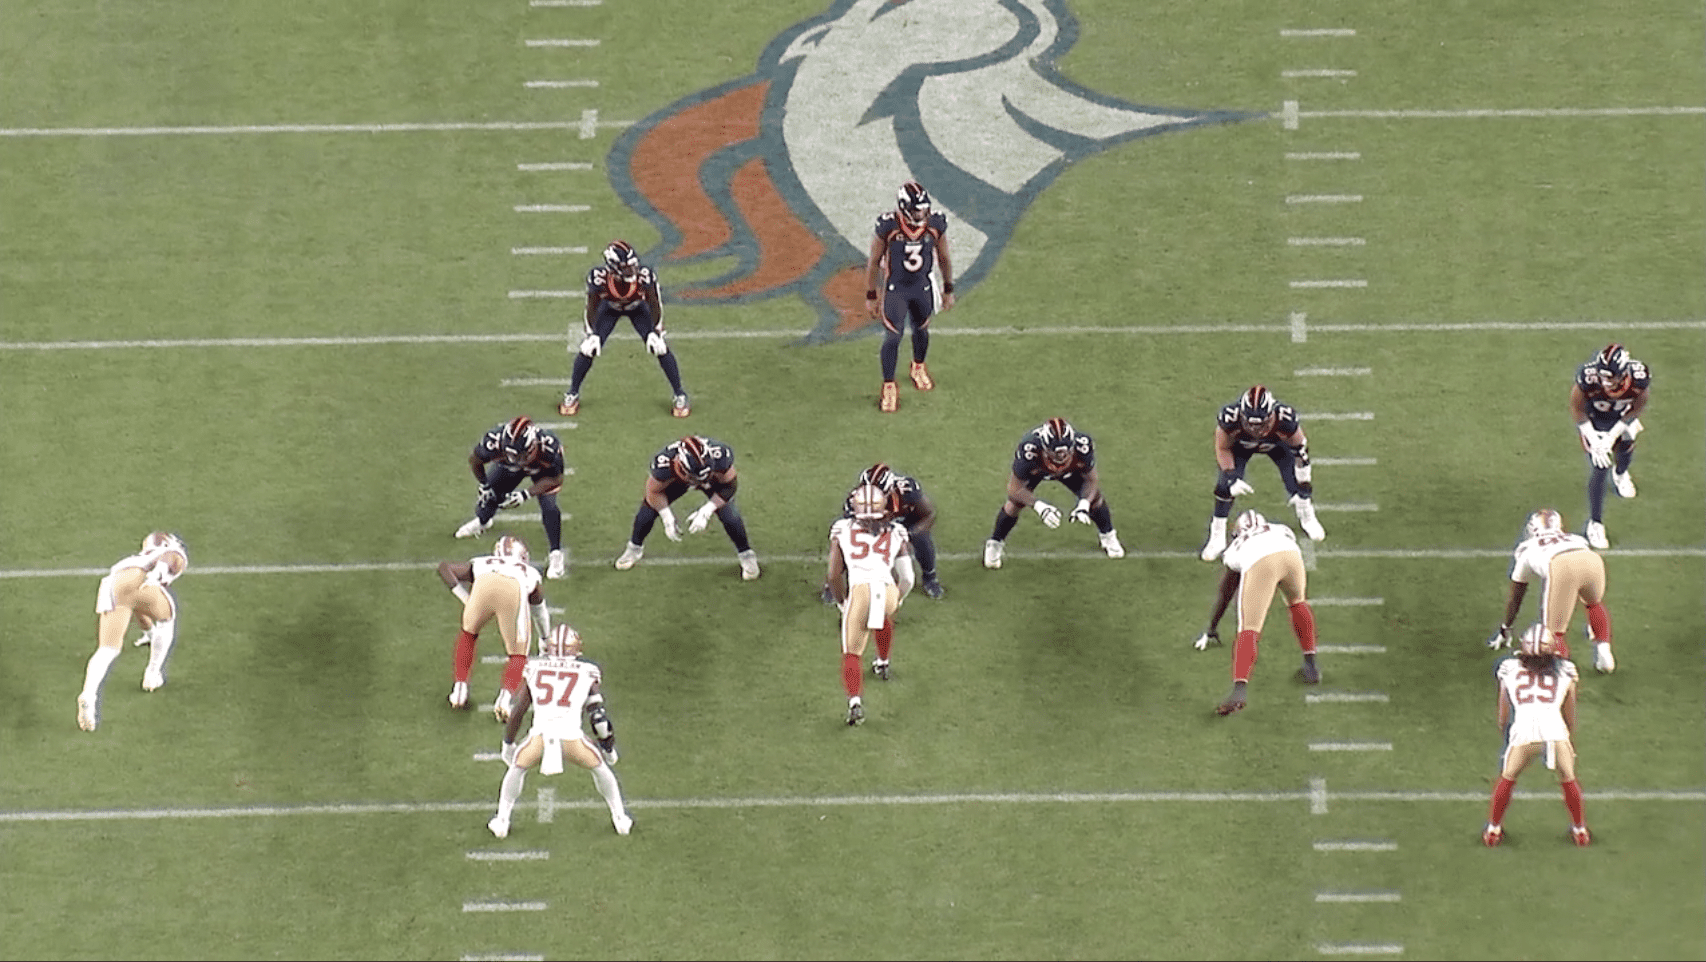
(890, 402)
(571, 405)
(921, 377)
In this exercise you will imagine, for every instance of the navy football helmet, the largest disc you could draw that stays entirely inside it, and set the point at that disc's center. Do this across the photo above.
(692, 463)
(878, 474)
(518, 443)
(1257, 411)
(1058, 442)
(913, 203)
(622, 259)
(1613, 366)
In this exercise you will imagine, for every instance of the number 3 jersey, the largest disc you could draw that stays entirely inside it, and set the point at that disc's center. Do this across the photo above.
(870, 556)
(560, 689)
(1537, 700)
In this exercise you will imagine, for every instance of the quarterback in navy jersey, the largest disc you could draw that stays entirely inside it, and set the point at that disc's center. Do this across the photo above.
(693, 463)
(1606, 402)
(909, 243)
(623, 287)
(1257, 423)
(1053, 451)
(908, 504)
(519, 450)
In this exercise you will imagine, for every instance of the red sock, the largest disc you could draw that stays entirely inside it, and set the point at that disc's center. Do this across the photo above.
(885, 638)
(1303, 625)
(851, 674)
(1244, 655)
(1501, 800)
(1560, 644)
(1599, 622)
(512, 672)
(463, 662)
(1573, 800)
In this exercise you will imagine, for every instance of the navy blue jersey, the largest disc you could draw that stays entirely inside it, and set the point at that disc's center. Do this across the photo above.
(545, 461)
(1028, 463)
(911, 252)
(618, 293)
(718, 456)
(1284, 426)
(1602, 408)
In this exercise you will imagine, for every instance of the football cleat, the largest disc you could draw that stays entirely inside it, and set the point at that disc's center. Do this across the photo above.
(624, 824)
(1579, 835)
(1623, 483)
(1603, 661)
(571, 405)
(153, 679)
(1492, 835)
(921, 377)
(1234, 700)
(827, 596)
(629, 557)
(88, 716)
(499, 826)
(855, 713)
(890, 401)
(681, 406)
(748, 565)
(1310, 672)
(880, 668)
(459, 695)
(992, 550)
(1305, 508)
(1216, 543)
(557, 566)
(473, 528)
(1596, 536)
(1111, 544)
(933, 588)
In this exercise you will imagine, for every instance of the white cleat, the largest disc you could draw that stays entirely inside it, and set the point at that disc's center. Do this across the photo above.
(1623, 483)
(459, 695)
(557, 566)
(1305, 508)
(499, 826)
(1111, 544)
(1596, 536)
(1216, 543)
(472, 529)
(624, 824)
(153, 679)
(629, 557)
(748, 565)
(992, 551)
(1603, 661)
(88, 716)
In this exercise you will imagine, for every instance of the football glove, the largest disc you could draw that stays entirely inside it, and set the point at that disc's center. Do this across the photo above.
(508, 752)
(1500, 638)
(1631, 428)
(671, 530)
(1048, 512)
(591, 345)
(603, 730)
(1209, 637)
(655, 344)
(1241, 486)
(1081, 511)
(698, 520)
(514, 499)
(483, 497)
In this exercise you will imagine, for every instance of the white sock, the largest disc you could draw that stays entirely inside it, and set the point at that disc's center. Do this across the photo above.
(96, 672)
(605, 779)
(511, 790)
(165, 632)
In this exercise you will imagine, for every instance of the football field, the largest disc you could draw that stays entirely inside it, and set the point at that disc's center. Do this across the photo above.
(268, 272)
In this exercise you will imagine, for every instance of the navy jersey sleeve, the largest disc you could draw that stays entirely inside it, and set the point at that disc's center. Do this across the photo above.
(1085, 452)
(661, 470)
(1286, 424)
(1228, 421)
(886, 225)
(595, 281)
(486, 449)
(549, 463)
(721, 456)
(1028, 458)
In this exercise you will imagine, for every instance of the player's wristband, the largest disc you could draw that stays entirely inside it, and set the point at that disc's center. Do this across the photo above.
(947, 287)
(870, 295)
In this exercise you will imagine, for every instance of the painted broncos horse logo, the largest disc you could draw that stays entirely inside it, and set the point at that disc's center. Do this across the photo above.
(785, 170)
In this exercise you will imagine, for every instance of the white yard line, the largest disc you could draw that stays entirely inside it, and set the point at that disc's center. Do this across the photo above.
(502, 126)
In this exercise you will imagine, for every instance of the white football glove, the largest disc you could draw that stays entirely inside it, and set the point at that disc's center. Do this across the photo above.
(656, 345)
(1048, 512)
(1241, 486)
(508, 752)
(514, 499)
(1599, 452)
(671, 530)
(697, 521)
(1081, 511)
(1209, 637)
(1500, 638)
(591, 345)
(1631, 428)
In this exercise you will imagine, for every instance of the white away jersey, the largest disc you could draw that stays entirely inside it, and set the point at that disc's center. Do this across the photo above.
(560, 687)
(1247, 549)
(1533, 557)
(870, 557)
(1537, 699)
